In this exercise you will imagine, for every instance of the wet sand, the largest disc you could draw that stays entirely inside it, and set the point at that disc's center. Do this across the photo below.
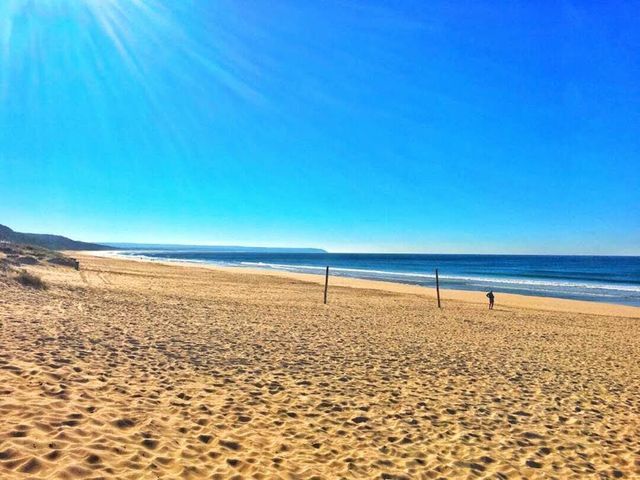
(136, 370)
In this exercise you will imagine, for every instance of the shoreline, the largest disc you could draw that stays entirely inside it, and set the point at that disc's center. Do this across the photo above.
(508, 300)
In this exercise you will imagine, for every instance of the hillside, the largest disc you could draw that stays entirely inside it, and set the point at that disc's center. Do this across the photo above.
(53, 242)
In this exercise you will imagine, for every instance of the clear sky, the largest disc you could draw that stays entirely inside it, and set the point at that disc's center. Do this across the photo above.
(441, 126)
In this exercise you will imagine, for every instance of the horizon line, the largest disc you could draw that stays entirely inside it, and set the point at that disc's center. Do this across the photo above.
(346, 252)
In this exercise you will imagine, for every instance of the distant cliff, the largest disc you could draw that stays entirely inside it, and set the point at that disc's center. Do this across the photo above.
(53, 242)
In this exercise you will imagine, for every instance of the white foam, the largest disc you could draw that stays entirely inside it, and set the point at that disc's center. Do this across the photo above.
(486, 280)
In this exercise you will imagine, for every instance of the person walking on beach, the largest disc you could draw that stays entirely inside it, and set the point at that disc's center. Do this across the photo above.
(490, 296)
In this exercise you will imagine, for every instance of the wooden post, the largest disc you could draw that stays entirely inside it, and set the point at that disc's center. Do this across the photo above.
(438, 288)
(326, 285)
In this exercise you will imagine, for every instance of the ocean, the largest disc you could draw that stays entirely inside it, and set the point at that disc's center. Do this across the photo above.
(593, 278)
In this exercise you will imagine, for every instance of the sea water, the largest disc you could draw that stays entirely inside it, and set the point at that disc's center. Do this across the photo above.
(595, 278)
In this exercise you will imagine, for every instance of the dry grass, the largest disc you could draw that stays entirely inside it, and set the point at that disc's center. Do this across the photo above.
(30, 280)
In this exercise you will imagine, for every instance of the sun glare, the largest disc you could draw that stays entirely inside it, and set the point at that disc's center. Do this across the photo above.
(36, 33)
(27, 28)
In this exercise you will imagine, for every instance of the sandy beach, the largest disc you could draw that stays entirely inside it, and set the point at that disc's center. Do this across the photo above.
(139, 370)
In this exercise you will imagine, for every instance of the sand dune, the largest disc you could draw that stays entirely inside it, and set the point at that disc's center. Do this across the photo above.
(133, 370)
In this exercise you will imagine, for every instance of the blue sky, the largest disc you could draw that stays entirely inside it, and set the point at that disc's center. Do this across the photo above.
(354, 126)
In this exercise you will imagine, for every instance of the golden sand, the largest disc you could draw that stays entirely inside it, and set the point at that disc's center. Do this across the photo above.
(135, 370)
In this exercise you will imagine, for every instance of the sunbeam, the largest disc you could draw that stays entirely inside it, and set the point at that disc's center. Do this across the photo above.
(127, 61)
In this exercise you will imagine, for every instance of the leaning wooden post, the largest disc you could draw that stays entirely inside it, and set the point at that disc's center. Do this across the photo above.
(438, 288)
(326, 285)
